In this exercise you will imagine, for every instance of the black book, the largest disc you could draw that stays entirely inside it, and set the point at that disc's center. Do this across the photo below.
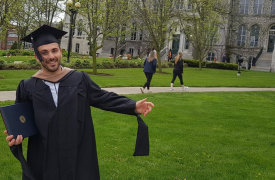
(19, 119)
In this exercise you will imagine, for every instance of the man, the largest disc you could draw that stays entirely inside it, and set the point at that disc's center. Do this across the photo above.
(65, 148)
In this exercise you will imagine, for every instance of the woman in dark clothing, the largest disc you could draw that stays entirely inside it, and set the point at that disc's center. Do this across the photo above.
(178, 70)
(150, 65)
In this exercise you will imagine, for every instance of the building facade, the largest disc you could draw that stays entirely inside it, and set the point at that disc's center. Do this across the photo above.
(248, 32)
(9, 40)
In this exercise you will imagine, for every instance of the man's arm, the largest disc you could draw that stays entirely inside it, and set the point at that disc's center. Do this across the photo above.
(111, 101)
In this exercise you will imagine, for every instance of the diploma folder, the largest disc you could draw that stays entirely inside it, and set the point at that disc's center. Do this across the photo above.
(19, 119)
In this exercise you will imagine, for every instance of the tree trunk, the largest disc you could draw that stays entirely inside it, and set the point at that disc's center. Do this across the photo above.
(159, 61)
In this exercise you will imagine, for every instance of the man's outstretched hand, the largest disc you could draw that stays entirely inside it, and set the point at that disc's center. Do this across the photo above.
(144, 107)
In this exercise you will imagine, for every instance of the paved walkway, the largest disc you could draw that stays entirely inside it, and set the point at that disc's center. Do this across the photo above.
(10, 95)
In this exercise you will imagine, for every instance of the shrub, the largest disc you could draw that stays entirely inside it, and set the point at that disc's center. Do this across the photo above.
(2, 63)
(86, 63)
(108, 64)
(33, 64)
(77, 63)
(3, 53)
(27, 53)
(12, 52)
(192, 62)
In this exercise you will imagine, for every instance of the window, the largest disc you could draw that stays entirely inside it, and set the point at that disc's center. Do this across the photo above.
(210, 56)
(180, 4)
(77, 47)
(254, 39)
(12, 34)
(73, 31)
(258, 5)
(241, 37)
(134, 32)
(112, 51)
(189, 5)
(79, 31)
(186, 44)
(273, 7)
(244, 6)
(140, 35)
(131, 51)
(10, 43)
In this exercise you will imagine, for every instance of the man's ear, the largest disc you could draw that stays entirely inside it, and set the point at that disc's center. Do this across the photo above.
(61, 51)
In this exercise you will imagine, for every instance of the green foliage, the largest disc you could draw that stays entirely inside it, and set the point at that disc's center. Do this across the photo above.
(12, 52)
(3, 53)
(2, 63)
(14, 46)
(27, 53)
(33, 64)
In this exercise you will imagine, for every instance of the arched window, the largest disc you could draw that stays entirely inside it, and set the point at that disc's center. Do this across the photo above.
(242, 34)
(244, 6)
(254, 37)
(134, 32)
(273, 7)
(258, 6)
(79, 28)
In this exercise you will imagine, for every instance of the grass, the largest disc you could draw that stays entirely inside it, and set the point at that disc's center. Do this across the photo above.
(193, 136)
(192, 77)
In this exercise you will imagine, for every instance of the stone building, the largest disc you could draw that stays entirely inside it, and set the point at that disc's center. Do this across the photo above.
(251, 32)
(248, 33)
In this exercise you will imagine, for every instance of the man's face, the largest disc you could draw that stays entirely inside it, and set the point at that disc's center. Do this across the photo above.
(51, 54)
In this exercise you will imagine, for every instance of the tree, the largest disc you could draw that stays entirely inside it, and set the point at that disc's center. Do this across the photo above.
(119, 16)
(156, 18)
(96, 24)
(14, 45)
(6, 12)
(200, 22)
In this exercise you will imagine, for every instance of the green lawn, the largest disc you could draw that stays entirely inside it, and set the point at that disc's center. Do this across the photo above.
(193, 136)
(192, 77)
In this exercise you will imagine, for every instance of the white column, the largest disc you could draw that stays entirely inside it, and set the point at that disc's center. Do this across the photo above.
(181, 42)
(273, 61)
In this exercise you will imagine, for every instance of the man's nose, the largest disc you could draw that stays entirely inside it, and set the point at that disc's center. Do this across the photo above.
(51, 56)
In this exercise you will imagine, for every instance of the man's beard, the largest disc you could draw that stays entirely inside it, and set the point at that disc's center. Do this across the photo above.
(50, 69)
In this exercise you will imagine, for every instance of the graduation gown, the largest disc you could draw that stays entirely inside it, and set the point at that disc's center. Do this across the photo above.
(65, 148)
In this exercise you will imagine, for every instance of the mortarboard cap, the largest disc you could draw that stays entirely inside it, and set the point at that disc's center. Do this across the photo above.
(42, 36)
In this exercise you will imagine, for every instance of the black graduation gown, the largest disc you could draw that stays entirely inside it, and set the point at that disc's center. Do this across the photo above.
(65, 148)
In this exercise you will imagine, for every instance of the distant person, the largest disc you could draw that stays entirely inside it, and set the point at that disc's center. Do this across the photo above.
(177, 71)
(223, 58)
(170, 55)
(148, 52)
(155, 52)
(150, 65)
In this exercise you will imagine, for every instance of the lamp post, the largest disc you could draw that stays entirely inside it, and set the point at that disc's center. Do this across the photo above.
(73, 11)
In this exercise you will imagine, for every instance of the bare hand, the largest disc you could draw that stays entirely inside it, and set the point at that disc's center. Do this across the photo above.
(12, 141)
(144, 107)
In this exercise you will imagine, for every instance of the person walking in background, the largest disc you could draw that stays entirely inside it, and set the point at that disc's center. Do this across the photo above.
(150, 65)
(170, 55)
(177, 71)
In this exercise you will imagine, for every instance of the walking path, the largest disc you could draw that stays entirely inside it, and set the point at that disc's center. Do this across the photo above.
(10, 95)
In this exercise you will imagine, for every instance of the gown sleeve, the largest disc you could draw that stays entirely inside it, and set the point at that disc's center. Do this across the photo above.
(17, 149)
(108, 101)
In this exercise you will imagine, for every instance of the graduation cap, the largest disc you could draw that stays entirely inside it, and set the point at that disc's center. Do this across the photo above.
(43, 35)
